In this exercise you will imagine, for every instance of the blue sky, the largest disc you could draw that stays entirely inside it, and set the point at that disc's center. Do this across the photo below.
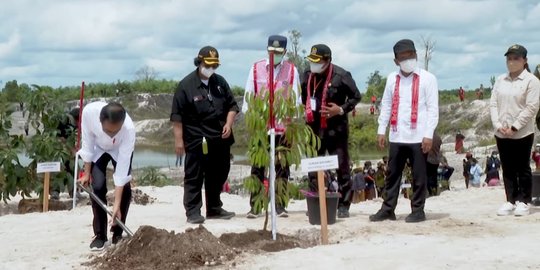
(63, 42)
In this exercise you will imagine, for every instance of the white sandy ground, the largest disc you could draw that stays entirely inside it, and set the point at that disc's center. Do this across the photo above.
(462, 232)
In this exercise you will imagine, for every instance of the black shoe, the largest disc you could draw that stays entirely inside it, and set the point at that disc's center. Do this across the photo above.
(382, 215)
(220, 214)
(417, 216)
(116, 238)
(281, 212)
(343, 212)
(98, 243)
(252, 214)
(195, 219)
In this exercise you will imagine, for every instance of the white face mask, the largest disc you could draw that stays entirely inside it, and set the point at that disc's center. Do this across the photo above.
(408, 66)
(278, 58)
(207, 72)
(316, 67)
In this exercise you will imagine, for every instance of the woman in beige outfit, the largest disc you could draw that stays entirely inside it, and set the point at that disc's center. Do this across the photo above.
(514, 103)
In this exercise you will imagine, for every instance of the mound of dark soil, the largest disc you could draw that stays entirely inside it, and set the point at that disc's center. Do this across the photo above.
(152, 248)
(262, 240)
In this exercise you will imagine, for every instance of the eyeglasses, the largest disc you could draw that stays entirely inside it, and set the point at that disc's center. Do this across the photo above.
(275, 49)
(215, 66)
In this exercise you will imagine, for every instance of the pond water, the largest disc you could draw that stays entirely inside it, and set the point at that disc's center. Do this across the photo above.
(160, 157)
(146, 157)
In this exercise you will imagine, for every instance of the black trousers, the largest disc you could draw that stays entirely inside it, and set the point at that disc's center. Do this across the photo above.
(515, 162)
(99, 185)
(399, 153)
(211, 170)
(337, 146)
(282, 173)
(432, 177)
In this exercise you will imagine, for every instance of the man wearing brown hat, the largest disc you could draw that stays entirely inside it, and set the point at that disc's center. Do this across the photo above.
(410, 105)
(329, 93)
(203, 112)
(285, 80)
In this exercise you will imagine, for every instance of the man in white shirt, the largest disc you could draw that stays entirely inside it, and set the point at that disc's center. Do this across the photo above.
(108, 135)
(410, 104)
(285, 79)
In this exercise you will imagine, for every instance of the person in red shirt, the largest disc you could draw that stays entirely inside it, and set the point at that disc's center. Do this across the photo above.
(536, 156)
(373, 99)
(461, 94)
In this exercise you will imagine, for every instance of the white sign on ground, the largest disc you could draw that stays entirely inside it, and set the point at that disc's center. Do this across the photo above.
(319, 163)
(48, 167)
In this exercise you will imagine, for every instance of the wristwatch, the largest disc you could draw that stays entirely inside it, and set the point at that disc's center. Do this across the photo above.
(514, 129)
(341, 111)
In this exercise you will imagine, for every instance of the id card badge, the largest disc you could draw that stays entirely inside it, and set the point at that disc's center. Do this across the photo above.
(313, 104)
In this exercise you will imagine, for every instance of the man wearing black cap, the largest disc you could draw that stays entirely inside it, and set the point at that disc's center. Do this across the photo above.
(329, 93)
(285, 81)
(203, 112)
(410, 104)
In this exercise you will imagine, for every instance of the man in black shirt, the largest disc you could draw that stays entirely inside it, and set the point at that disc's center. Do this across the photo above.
(329, 93)
(203, 112)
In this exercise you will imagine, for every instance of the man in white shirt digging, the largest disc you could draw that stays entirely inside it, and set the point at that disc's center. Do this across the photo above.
(108, 135)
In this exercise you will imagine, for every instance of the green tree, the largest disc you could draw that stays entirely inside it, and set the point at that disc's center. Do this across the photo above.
(44, 112)
(492, 81)
(297, 55)
(23, 94)
(237, 91)
(375, 86)
(152, 176)
(300, 141)
(11, 90)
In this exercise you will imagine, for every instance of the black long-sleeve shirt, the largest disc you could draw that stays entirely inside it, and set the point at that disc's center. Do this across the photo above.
(342, 91)
(202, 109)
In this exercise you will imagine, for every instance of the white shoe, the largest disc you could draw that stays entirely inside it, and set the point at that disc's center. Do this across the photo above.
(506, 209)
(522, 209)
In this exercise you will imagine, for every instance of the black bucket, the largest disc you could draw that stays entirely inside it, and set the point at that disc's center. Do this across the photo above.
(314, 210)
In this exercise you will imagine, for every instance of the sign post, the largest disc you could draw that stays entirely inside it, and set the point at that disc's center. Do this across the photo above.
(320, 164)
(47, 168)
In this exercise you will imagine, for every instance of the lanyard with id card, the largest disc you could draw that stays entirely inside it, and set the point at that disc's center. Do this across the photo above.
(313, 102)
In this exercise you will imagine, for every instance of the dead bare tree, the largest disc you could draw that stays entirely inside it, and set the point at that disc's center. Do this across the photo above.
(146, 73)
(429, 47)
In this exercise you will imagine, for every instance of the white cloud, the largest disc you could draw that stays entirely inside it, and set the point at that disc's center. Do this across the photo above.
(11, 46)
(66, 41)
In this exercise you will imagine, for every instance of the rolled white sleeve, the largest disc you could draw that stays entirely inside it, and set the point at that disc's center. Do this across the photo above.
(432, 106)
(250, 88)
(122, 173)
(386, 105)
(88, 137)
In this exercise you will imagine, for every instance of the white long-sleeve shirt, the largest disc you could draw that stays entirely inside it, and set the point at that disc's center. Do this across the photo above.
(250, 88)
(95, 142)
(428, 108)
(515, 103)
